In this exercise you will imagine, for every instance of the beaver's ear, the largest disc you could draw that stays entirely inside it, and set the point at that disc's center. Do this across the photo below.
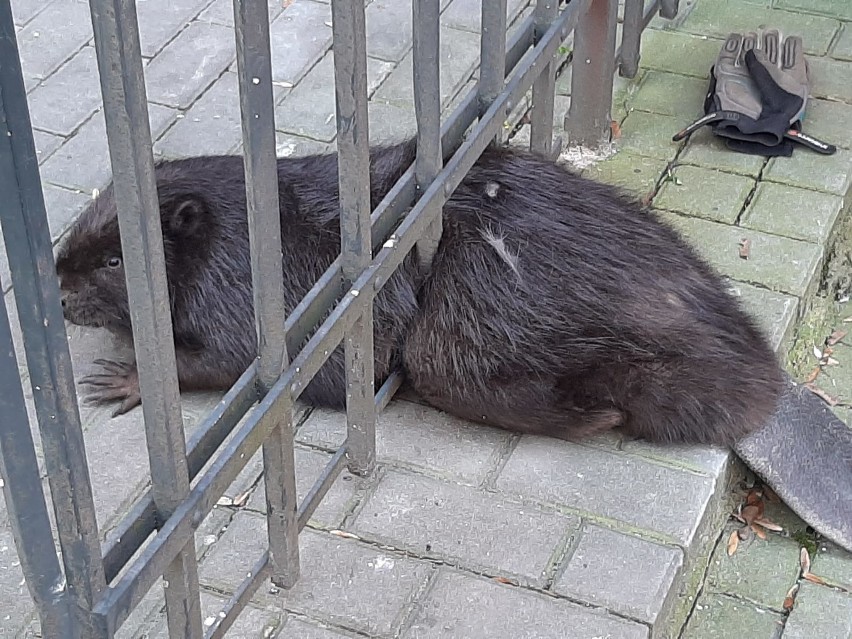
(184, 216)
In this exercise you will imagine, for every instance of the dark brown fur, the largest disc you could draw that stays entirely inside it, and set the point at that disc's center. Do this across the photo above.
(554, 304)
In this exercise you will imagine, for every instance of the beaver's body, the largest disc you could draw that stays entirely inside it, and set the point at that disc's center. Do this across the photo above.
(554, 304)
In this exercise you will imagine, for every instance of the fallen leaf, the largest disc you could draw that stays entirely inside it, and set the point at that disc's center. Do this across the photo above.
(753, 497)
(790, 599)
(847, 320)
(286, 3)
(768, 524)
(813, 374)
(502, 580)
(758, 531)
(649, 196)
(817, 353)
(615, 128)
(242, 499)
(733, 543)
(344, 534)
(831, 362)
(745, 248)
(814, 579)
(225, 501)
(836, 336)
(752, 512)
(805, 561)
(828, 399)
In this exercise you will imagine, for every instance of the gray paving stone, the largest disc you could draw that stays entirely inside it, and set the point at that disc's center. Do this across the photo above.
(46, 144)
(388, 29)
(64, 101)
(211, 125)
(627, 489)
(300, 37)
(52, 37)
(222, 12)
(709, 460)
(775, 312)
(337, 501)
(14, 594)
(252, 623)
(624, 574)
(297, 629)
(459, 57)
(159, 22)
(722, 617)
(342, 581)
(309, 109)
(465, 606)
(83, 161)
(456, 524)
(25, 10)
(467, 14)
(189, 64)
(833, 564)
(819, 612)
(417, 436)
(62, 207)
(287, 145)
(390, 123)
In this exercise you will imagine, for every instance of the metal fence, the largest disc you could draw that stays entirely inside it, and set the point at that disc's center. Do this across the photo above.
(91, 591)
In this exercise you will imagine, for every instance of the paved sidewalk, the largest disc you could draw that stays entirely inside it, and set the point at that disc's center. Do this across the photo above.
(467, 531)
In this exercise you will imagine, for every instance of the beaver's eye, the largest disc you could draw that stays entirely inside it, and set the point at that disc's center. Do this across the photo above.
(114, 262)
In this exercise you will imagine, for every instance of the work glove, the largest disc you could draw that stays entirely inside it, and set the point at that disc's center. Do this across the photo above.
(758, 92)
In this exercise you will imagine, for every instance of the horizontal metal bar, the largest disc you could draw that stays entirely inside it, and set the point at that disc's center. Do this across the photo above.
(177, 531)
(134, 529)
(260, 572)
(388, 389)
(321, 486)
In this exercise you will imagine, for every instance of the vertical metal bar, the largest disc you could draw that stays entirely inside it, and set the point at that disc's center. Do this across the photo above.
(24, 497)
(257, 107)
(28, 247)
(669, 9)
(427, 109)
(117, 45)
(492, 57)
(588, 121)
(350, 85)
(544, 88)
(630, 38)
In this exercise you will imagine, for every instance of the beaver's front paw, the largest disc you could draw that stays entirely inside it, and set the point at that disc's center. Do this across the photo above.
(118, 381)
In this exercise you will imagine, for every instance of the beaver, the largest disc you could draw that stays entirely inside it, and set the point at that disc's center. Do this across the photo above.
(554, 304)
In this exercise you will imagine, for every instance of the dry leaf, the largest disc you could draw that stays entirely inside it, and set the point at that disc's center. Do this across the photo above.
(847, 320)
(286, 3)
(648, 198)
(733, 543)
(828, 399)
(752, 512)
(225, 501)
(502, 580)
(805, 561)
(344, 534)
(615, 128)
(813, 374)
(745, 248)
(817, 353)
(758, 531)
(768, 524)
(831, 362)
(835, 337)
(745, 533)
(753, 497)
(791, 597)
(242, 499)
(814, 579)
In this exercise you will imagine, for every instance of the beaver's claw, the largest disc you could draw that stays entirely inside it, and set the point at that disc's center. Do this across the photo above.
(119, 380)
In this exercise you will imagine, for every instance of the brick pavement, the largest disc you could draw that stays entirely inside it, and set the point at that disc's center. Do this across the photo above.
(467, 531)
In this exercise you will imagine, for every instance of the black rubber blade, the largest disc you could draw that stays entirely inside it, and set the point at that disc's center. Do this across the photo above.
(804, 454)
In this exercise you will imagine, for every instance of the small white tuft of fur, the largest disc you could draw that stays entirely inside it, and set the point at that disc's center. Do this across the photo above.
(498, 243)
(491, 189)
